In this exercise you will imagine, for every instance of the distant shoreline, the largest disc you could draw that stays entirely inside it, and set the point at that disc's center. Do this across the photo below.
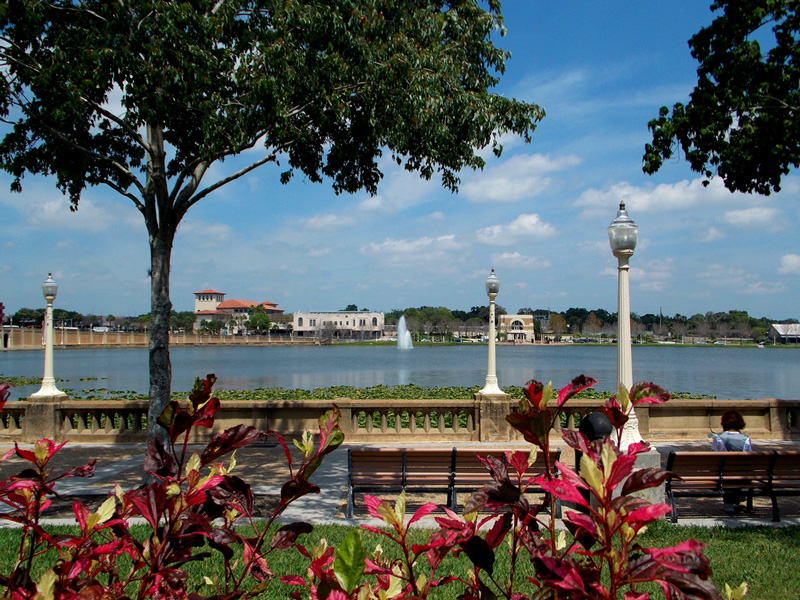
(276, 344)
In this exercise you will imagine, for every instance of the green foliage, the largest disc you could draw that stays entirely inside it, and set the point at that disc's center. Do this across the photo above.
(193, 509)
(17, 381)
(182, 320)
(742, 122)
(259, 321)
(328, 87)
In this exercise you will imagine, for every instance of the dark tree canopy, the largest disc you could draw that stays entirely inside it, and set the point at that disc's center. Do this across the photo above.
(742, 122)
(144, 96)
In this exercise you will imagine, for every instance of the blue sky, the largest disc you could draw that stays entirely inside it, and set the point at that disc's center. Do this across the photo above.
(538, 215)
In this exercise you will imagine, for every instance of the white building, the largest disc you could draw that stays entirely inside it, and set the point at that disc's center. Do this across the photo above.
(517, 328)
(784, 333)
(342, 324)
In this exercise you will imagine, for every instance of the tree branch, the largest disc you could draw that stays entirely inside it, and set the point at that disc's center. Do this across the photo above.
(186, 204)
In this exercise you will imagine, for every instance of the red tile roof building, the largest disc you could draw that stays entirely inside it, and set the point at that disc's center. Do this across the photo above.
(211, 305)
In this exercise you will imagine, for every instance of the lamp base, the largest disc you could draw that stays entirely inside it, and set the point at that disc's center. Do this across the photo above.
(491, 388)
(48, 392)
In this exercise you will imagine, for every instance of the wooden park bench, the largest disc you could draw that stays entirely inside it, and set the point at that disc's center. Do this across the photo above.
(712, 474)
(421, 470)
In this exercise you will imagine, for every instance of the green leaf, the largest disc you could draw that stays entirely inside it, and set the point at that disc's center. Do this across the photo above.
(348, 566)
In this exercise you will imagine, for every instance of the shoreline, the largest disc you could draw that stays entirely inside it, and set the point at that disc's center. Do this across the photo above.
(295, 343)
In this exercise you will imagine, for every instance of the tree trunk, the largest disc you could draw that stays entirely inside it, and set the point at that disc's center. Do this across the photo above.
(160, 307)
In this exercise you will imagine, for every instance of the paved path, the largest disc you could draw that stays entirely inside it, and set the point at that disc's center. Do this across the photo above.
(331, 477)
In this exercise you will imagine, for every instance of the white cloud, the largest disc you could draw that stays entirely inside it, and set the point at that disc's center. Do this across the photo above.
(653, 275)
(790, 264)
(318, 252)
(522, 176)
(508, 141)
(517, 260)
(422, 250)
(734, 278)
(46, 209)
(713, 234)
(525, 227)
(329, 222)
(749, 217)
(721, 276)
(202, 234)
(764, 288)
(399, 189)
(661, 198)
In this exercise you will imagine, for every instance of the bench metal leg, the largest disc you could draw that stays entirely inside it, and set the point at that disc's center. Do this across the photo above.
(452, 499)
(671, 498)
(776, 513)
(350, 503)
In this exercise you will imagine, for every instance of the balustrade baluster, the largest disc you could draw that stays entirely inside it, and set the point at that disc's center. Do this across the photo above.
(427, 422)
(384, 426)
(94, 421)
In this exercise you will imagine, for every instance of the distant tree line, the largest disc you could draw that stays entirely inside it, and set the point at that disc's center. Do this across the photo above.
(34, 317)
(444, 322)
(435, 321)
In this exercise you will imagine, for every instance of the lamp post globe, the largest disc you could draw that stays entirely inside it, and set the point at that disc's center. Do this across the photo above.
(492, 289)
(622, 235)
(48, 389)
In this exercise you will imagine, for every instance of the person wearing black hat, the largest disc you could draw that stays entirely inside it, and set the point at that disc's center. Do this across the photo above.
(595, 426)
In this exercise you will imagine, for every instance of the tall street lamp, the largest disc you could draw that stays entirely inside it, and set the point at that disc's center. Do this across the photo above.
(492, 289)
(48, 389)
(622, 234)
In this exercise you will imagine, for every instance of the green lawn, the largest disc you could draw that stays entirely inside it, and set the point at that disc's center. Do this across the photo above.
(765, 557)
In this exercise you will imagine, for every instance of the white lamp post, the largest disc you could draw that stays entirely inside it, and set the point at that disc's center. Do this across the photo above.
(48, 389)
(622, 234)
(492, 289)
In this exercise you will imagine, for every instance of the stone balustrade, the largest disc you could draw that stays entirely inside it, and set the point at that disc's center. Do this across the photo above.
(31, 339)
(478, 420)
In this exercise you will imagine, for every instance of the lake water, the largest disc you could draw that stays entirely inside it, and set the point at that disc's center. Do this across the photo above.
(727, 372)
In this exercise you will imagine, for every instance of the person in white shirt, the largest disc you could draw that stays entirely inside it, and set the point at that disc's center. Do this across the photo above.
(731, 440)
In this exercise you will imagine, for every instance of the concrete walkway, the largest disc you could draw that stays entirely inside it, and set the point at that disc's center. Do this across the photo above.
(331, 477)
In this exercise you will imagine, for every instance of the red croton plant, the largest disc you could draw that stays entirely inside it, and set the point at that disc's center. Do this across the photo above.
(196, 507)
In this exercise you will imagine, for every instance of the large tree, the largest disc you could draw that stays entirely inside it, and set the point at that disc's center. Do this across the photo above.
(144, 96)
(742, 121)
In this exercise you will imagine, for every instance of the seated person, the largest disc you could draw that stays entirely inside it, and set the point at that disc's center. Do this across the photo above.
(731, 439)
(595, 426)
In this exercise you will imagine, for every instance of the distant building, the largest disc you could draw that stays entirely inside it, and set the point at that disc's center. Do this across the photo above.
(210, 305)
(342, 324)
(784, 333)
(517, 328)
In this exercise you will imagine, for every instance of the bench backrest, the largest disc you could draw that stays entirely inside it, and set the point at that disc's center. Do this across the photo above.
(743, 466)
(787, 465)
(689, 465)
(469, 470)
(730, 467)
(428, 466)
(366, 466)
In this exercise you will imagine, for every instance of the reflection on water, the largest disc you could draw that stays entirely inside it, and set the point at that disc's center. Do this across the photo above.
(727, 372)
